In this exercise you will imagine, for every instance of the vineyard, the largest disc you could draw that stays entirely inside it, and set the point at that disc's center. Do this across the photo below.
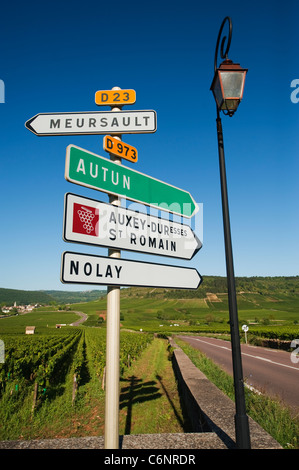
(46, 359)
(39, 368)
(52, 383)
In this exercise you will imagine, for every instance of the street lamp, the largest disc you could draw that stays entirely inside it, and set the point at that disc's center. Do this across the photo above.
(227, 88)
(229, 78)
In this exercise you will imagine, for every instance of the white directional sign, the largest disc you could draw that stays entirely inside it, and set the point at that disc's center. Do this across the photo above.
(78, 268)
(94, 122)
(96, 223)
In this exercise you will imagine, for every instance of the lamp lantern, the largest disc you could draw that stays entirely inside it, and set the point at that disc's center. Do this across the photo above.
(228, 86)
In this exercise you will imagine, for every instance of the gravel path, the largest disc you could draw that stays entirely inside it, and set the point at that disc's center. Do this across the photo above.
(83, 318)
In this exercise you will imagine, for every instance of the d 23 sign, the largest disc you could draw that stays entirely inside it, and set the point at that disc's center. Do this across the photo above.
(120, 149)
(115, 97)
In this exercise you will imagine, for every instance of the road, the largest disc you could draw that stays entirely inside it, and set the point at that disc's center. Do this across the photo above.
(269, 371)
(83, 318)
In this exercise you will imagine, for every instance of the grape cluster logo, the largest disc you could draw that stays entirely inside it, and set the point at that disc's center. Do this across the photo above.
(85, 220)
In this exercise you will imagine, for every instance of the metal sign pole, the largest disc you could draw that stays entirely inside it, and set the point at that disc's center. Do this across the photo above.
(241, 418)
(112, 344)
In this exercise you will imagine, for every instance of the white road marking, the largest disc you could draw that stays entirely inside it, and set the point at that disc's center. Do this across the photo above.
(249, 355)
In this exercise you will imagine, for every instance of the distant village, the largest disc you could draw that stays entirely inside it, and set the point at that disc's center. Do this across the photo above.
(18, 308)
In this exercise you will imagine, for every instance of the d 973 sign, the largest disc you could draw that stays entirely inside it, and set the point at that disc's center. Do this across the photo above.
(120, 149)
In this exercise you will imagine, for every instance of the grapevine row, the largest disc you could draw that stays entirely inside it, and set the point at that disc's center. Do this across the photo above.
(32, 357)
(284, 333)
(46, 360)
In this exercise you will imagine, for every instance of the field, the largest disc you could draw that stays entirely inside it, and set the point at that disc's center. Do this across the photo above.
(49, 377)
(51, 382)
(272, 315)
(43, 318)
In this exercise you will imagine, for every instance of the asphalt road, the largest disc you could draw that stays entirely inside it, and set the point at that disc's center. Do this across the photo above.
(269, 371)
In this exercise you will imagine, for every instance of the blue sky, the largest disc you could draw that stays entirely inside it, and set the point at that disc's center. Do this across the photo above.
(55, 55)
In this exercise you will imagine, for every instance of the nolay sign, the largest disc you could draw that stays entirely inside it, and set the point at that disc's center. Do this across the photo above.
(78, 268)
(96, 223)
(96, 122)
(96, 172)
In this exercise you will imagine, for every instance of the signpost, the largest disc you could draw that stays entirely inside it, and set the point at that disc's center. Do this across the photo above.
(112, 376)
(79, 268)
(92, 222)
(120, 149)
(115, 97)
(93, 122)
(96, 172)
(96, 223)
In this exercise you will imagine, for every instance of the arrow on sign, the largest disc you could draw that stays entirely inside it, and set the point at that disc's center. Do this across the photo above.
(94, 122)
(90, 170)
(97, 223)
(78, 268)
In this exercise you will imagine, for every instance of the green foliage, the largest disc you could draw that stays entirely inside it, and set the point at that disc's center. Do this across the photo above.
(218, 284)
(131, 346)
(43, 318)
(51, 297)
(69, 297)
(51, 361)
(23, 297)
(214, 284)
(283, 333)
(36, 358)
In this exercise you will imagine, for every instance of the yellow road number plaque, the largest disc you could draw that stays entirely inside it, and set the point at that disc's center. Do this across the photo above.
(115, 97)
(120, 149)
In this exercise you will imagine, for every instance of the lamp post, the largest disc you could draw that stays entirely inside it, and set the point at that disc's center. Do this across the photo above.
(227, 88)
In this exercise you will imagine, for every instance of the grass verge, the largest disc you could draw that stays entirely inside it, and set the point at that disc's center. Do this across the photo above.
(270, 414)
(149, 399)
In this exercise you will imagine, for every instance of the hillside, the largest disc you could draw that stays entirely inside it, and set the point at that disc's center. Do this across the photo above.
(71, 297)
(218, 284)
(210, 284)
(24, 297)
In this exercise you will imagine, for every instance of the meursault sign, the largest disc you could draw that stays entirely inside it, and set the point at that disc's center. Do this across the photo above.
(94, 122)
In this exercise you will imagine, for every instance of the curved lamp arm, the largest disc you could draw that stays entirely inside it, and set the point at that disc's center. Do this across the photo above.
(223, 53)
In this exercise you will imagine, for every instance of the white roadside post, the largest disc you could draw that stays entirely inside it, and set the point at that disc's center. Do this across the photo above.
(245, 329)
(112, 343)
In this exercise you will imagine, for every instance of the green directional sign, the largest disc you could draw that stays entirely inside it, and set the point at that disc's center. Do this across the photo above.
(90, 170)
